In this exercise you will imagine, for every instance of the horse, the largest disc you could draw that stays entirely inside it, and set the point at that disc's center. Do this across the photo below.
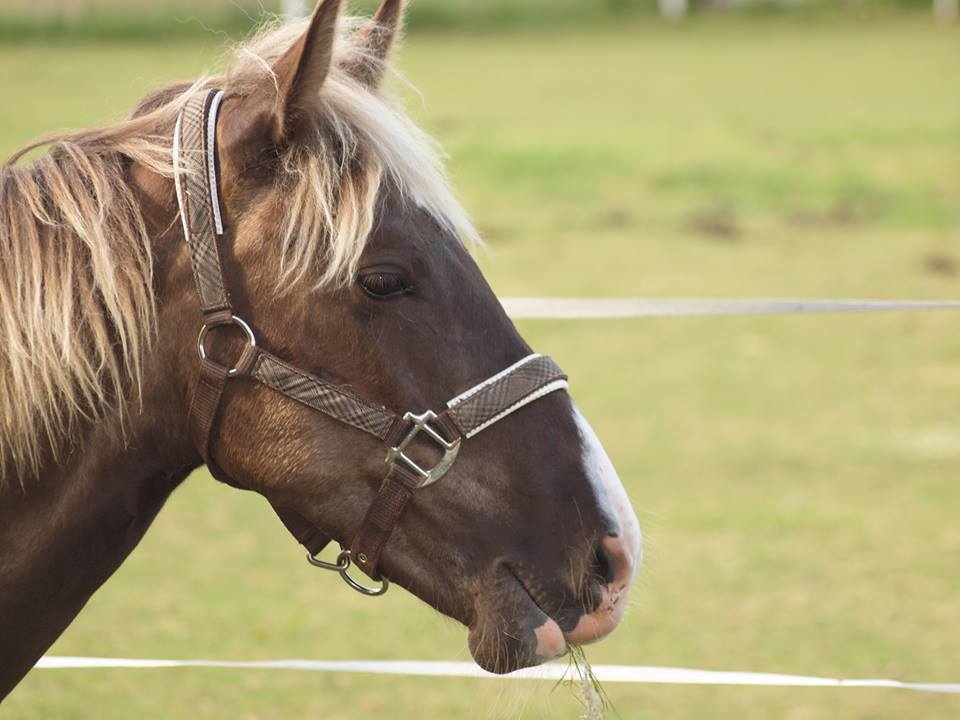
(291, 212)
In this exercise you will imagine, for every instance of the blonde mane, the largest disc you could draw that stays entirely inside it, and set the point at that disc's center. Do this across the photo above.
(77, 309)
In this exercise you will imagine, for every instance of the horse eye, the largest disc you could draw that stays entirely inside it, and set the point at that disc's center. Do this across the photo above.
(383, 284)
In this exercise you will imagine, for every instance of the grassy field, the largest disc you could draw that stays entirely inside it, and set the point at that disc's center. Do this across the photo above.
(796, 477)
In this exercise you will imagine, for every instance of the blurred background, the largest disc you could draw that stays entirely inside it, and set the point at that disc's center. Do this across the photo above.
(30, 18)
(796, 477)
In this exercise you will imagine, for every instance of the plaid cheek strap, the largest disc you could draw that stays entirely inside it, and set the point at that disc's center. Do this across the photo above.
(463, 417)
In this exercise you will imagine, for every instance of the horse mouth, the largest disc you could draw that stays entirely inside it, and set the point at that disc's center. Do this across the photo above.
(515, 625)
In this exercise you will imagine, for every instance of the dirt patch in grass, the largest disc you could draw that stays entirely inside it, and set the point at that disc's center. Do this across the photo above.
(941, 264)
(719, 223)
(615, 219)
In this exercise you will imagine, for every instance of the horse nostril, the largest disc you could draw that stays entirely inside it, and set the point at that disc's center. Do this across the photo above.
(613, 562)
(602, 566)
(612, 565)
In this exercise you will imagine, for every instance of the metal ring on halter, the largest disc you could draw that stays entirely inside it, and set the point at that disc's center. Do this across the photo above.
(342, 565)
(201, 340)
(362, 589)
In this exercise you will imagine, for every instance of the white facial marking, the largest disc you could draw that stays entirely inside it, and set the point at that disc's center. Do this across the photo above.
(611, 496)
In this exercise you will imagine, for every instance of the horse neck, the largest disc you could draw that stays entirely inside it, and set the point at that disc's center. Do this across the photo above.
(64, 534)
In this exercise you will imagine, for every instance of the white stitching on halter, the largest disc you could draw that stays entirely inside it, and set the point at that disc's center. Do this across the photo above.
(176, 178)
(212, 161)
(545, 390)
(467, 394)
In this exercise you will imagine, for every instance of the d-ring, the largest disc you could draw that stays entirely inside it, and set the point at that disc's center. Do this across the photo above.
(342, 566)
(323, 565)
(202, 339)
(362, 589)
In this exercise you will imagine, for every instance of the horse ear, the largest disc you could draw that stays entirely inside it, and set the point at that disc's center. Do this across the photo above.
(301, 70)
(373, 42)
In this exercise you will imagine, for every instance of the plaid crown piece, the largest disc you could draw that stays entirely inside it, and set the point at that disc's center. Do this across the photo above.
(196, 203)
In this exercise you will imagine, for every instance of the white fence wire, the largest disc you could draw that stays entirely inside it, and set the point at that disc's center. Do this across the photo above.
(610, 308)
(573, 309)
(553, 672)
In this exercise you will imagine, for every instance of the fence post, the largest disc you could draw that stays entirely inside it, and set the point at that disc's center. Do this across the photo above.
(673, 9)
(945, 11)
(295, 8)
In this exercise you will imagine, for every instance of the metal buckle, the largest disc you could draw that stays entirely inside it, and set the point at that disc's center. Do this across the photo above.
(421, 424)
(342, 566)
(202, 339)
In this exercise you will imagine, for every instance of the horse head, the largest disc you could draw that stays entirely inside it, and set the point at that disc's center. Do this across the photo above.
(347, 255)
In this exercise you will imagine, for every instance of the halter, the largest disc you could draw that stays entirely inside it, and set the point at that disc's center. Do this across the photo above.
(196, 179)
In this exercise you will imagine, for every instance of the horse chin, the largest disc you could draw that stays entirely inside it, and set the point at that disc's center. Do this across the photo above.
(509, 631)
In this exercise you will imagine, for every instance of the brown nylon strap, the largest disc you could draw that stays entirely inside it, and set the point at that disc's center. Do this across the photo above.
(193, 157)
(217, 318)
(329, 399)
(305, 532)
(472, 411)
(381, 519)
(204, 405)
